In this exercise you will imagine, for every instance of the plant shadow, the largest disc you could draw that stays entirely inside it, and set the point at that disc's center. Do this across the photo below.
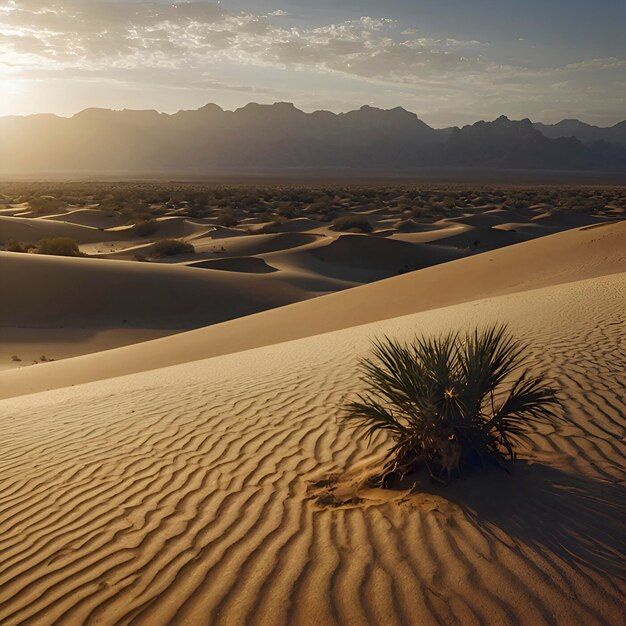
(577, 518)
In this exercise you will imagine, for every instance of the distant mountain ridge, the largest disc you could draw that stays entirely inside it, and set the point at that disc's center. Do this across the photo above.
(279, 136)
(586, 133)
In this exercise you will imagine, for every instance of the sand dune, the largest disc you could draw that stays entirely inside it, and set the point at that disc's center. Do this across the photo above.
(60, 307)
(372, 253)
(508, 214)
(221, 232)
(480, 220)
(14, 209)
(152, 294)
(130, 251)
(32, 229)
(297, 225)
(361, 258)
(103, 295)
(427, 233)
(248, 264)
(530, 228)
(180, 227)
(564, 220)
(32, 346)
(488, 230)
(485, 238)
(188, 495)
(551, 260)
(168, 227)
(93, 218)
(250, 245)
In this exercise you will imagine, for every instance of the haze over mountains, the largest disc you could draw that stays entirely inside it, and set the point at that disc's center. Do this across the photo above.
(280, 137)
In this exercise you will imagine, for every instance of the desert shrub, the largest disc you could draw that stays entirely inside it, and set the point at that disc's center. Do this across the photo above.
(449, 402)
(517, 202)
(17, 246)
(144, 227)
(420, 211)
(226, 217)
(352, 222)
(45, 205)
(197, 210)
(286, 209)
(171, 247)
(58, 246)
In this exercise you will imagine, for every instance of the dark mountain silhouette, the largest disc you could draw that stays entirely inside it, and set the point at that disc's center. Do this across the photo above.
(517, 144)
(586, 133)
(273, 138)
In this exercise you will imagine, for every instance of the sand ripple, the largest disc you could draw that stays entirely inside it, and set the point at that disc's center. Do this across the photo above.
(182, 495)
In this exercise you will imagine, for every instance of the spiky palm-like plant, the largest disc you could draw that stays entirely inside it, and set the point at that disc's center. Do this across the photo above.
(451, 402)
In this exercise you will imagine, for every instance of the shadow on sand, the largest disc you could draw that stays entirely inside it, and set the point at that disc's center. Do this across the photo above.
(577, 518)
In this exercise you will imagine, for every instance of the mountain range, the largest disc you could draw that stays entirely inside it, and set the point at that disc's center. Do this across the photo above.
(280, 137)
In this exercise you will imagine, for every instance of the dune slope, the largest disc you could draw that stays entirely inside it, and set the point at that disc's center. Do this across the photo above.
(554, 259)
(31, 230)
(46, 291)
(58, 307)
(188, 495)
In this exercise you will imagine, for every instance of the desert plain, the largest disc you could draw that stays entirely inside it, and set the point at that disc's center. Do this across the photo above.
(174, 359)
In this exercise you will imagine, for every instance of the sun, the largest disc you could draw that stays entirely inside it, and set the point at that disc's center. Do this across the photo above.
(11, 86)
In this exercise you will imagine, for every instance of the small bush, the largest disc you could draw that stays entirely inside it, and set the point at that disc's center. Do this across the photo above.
(265, 216)
(171, 247)
(352, 222)
(286, 209)
(144, 227)
(420, 211)
(45, 205)
(226, 217)
(446, 401)
(16, 246)
(58, 246)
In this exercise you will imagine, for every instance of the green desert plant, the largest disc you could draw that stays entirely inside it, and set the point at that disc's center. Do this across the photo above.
(143, 228)
(451, 402)
(58, 246)
(226, 217)
(171, 247)
(16, 246)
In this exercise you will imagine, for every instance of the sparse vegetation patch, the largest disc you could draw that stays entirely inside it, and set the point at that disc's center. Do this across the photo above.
(451, 402)
(170, 247)
(58, 246)
(352, 223)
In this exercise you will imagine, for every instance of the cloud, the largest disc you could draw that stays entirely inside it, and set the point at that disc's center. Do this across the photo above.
(149, 41)
(597, 64)
(95, 34)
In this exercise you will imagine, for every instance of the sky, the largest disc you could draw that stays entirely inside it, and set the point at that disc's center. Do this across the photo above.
(450, 61)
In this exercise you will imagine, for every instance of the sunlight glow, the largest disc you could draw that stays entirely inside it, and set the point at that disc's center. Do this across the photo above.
(11, 87)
